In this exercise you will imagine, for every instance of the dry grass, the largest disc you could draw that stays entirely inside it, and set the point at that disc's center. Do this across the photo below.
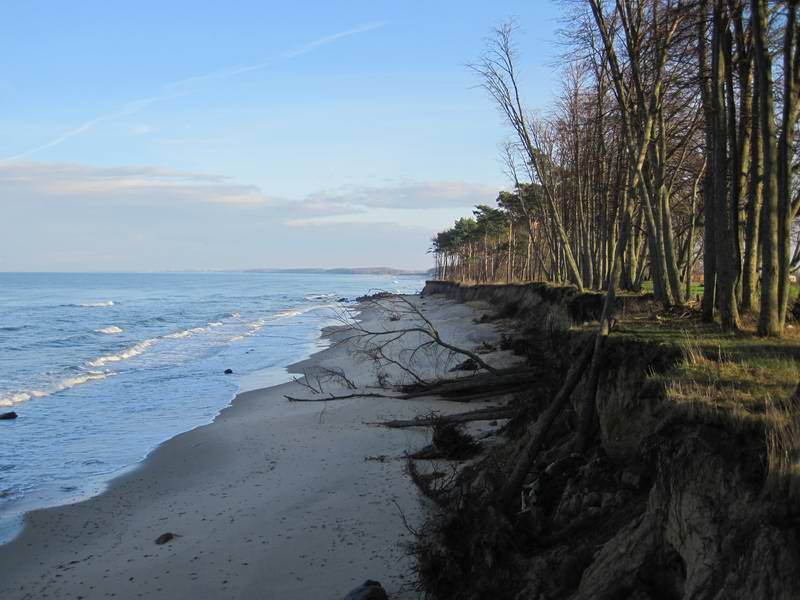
(740, 382)
(783, 446)
(735, 387)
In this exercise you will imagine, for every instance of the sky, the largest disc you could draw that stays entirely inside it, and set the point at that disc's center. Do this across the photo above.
(185, 135)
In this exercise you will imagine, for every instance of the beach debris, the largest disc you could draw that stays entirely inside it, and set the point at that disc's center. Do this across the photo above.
(375, 296)
(369, 590)
(490, 414)
(449, 442)
(165, 537)
(228, 371)
(8, 416)
(485, 348)
(378, 458)
(468, 365)
(452, 442)
(506, 342)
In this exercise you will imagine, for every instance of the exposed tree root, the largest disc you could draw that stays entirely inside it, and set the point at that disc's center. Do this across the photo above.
(538, 432)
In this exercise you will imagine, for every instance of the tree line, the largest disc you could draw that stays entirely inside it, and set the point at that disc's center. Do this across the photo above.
(670, 156)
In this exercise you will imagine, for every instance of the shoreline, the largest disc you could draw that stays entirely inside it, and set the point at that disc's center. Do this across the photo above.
(261, 379)
(271, 499)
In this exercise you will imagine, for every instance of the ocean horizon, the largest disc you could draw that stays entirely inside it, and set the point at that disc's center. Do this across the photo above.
(103, 367)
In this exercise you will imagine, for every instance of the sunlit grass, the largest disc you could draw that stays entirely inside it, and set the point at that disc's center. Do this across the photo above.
(738, 381)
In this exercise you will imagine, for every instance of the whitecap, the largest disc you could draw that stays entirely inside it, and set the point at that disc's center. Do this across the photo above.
(124, 355)
(97, 304)
(109, 330)
(186, 333)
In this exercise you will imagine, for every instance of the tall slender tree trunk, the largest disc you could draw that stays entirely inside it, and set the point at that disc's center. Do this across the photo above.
(754, 199)
(791, 86)
(709, 195)
(769, 322)
(726, 239)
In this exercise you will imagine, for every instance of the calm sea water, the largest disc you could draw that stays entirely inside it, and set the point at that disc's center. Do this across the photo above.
(103, 367)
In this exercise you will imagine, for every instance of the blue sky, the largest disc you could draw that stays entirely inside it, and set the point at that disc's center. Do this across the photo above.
(207, 135)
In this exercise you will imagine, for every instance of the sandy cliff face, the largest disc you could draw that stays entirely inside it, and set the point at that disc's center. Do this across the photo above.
(662, 506)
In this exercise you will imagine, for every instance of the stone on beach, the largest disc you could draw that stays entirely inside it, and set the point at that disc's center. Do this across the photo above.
(369, 590)
(165, 537)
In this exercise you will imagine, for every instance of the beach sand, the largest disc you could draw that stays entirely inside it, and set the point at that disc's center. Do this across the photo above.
(274, 499)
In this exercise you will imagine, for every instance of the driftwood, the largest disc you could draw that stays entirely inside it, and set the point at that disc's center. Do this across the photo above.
(482, 414)
(330, 397)
(463, 390)
(502, 383)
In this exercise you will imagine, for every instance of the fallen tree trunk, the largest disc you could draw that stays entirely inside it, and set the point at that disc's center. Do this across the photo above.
(330, 397)
(482, 414)
(538, 432)
(475, 385)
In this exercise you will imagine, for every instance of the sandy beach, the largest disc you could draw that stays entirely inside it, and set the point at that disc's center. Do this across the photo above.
(274, 499)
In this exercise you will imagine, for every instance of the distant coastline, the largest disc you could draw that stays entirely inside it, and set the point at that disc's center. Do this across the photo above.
(345, 271)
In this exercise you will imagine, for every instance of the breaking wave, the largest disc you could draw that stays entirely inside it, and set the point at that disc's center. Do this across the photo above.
(136, 350)
(12, 398)
(97, 304)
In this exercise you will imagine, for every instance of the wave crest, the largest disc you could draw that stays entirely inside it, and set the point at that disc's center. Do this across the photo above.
(109, 330)
(12, 398)
(136, 350)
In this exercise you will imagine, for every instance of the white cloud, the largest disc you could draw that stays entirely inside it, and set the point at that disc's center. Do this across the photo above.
(404, 195)
(428, 205)
(27, 181)
(426, 219)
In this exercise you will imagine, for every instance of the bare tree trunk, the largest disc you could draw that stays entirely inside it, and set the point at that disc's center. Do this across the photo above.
(726, 237)
(709, 241)
(754, 199)
(769, 322)
(791, 87)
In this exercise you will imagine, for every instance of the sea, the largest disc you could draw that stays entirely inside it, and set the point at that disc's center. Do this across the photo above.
(101, 368)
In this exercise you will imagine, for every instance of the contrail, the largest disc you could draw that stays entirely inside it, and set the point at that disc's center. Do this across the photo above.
(177, 88)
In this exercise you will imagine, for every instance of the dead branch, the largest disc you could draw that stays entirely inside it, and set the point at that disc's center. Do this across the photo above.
(427, 329)
(482, 414)
(337, 374)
